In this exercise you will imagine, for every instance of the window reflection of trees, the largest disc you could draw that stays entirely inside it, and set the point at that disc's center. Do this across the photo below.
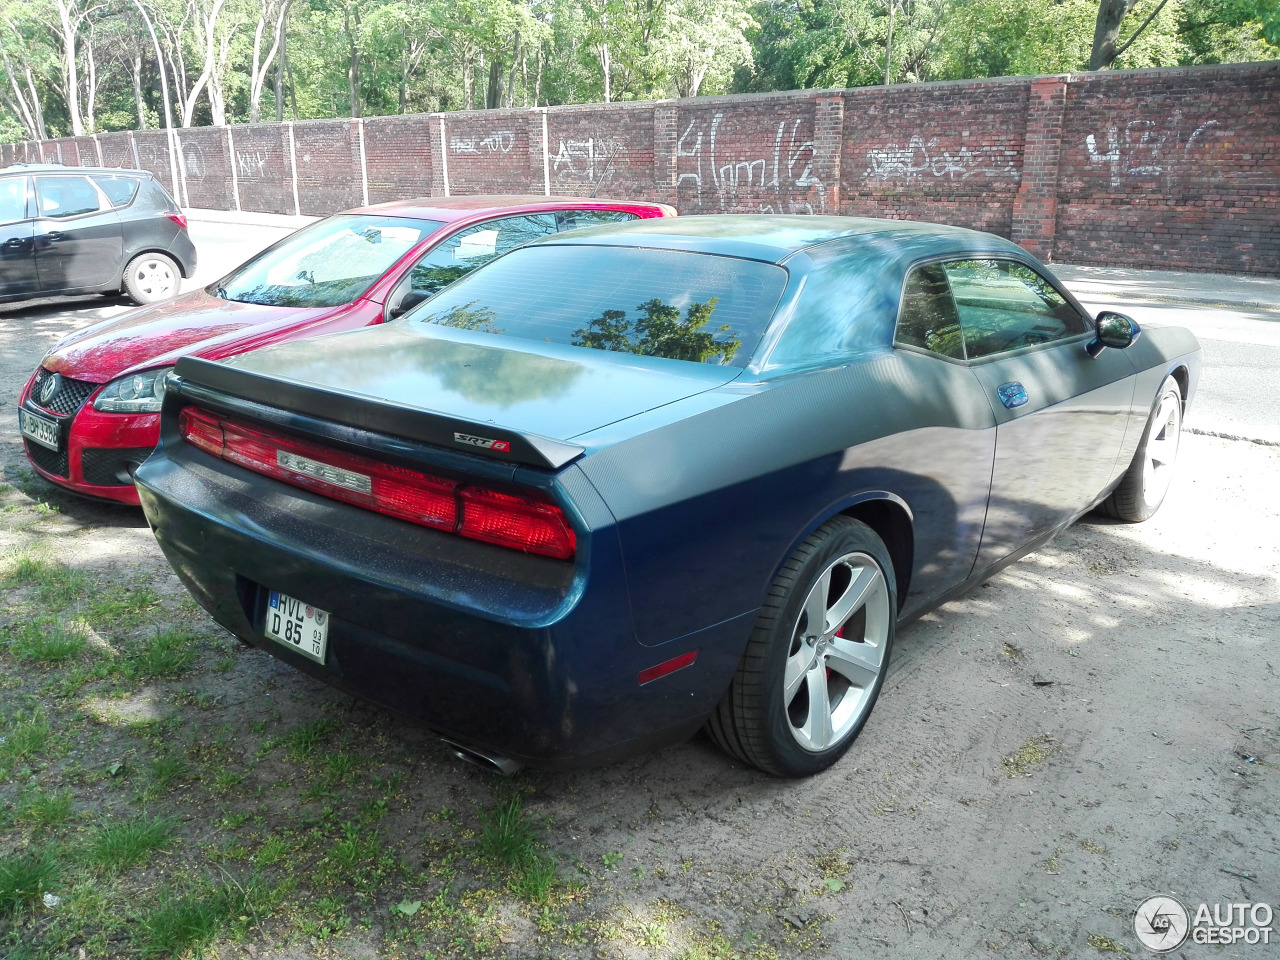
(467, 316)
(1005, 306)
(929, 318)
(661, 332)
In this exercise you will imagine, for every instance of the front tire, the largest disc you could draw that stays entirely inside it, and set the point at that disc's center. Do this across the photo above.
(151, 277)
(817, 657)
(1144, 485)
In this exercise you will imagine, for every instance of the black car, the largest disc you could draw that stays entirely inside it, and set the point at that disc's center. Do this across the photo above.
(73, 230)
(626, 480)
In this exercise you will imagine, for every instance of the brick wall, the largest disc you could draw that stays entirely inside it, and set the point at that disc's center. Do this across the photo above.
(1156, 168)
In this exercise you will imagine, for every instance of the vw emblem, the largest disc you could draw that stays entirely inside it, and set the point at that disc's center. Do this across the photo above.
(49, 389)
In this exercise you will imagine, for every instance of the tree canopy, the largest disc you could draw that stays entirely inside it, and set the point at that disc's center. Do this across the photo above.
(69, 67)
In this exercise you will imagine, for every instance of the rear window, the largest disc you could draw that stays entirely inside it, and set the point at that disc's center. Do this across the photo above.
(656, 303)
(119, 190)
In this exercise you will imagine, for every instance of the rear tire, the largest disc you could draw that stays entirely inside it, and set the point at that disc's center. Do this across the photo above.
(151, 277)
(1144, 485)
(817, 657)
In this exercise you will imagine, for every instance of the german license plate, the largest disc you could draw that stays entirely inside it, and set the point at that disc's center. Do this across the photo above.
(297, 625)
(38, 429)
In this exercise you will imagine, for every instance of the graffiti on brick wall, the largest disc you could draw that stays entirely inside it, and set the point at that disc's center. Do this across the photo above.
(921, 159)
(591, 159)
(1148, 148)
(251, 163)
(151, 157)
(193, 164)
(754, 180)
(500, 141)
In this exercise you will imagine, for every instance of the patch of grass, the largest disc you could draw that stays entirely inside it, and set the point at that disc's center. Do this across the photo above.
(22, 735)
(507, 840)
(166, 655)
(24, 878)
(116, 847)
(47, 643)
(186, 923)
(163, 773)
(303, 741)
(43, 808)
(24, 568)
(124, 607)
(1035, 752)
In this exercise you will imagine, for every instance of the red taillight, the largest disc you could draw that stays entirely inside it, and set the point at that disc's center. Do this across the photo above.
(179, 218)
(509, 520)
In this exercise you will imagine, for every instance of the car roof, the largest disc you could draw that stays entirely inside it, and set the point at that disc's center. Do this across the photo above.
(448, 209)
(62, 168)
(773, 239)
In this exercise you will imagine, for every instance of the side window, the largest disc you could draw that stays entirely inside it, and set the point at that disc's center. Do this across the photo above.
(928, 318)
(119, 190)
(66, 196)
(13, 199)
(572, 219)
(1005, 305)
(467, 249)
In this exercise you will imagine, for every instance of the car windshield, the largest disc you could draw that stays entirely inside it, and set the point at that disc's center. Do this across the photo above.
(657, 303)
(327, 264)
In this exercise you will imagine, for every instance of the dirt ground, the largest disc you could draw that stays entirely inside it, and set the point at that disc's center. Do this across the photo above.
(1065, 741)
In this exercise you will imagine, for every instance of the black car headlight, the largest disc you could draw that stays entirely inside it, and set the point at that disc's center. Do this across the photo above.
(137, 393)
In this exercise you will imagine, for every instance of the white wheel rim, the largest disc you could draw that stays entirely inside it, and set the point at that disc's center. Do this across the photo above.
(155, 279)
(836, 652)
(1162, 449)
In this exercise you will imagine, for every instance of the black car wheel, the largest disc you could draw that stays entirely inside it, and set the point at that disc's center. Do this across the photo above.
(1143, 487)
(817, 657)
(150, 277)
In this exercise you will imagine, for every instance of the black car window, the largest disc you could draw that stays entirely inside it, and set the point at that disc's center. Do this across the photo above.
(329, 263)
(13, 199)
(475, 246)
(928, 318)
(657, 303)
(1005, 305)
(61, 197)
(119, 190)
(573, 219)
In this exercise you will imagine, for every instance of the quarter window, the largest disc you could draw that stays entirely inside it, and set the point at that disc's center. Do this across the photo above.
(62, 197)
(928, 317)
(573, 219)
(119, 190)
(1004, 305)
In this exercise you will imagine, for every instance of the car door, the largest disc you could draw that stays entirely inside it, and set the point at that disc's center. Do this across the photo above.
(77, 234)
(1061, 414)
(17, 244)
(461, 252)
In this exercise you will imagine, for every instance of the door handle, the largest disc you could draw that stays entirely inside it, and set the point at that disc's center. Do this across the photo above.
(56, 235)
(14, 243)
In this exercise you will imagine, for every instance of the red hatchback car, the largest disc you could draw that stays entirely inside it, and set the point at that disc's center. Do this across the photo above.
(90, 412)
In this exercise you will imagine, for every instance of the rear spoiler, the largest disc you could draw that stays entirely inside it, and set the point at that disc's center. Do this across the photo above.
(273, 400)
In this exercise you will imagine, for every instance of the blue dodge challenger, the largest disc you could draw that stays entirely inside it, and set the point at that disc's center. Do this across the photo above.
(640, 478)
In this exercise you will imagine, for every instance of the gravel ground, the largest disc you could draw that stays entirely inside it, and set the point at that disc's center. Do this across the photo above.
(1065, 741)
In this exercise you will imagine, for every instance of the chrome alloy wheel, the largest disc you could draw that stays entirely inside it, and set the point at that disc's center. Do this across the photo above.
(837, 652)
(154, 278)
(1162, 449)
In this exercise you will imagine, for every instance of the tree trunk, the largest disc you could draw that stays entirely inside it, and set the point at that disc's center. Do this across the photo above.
(280, 79)
(511, 76)
(137, 91)
(493, 95)
(91, 87)
(602, 51)
(351, 18)
(70, 69)
(1106, 34)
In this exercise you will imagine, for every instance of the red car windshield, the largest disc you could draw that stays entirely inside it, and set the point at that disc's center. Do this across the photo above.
(326, 264)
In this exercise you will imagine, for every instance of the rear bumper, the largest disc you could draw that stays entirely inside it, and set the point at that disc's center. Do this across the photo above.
(525, 657)
(184, 251)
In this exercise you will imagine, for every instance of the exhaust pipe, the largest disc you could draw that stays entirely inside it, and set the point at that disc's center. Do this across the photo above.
(503, 766)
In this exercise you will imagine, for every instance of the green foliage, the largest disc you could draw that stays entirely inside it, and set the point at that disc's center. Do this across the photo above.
(25, 877)
(119, 846)
(508, 841)
(660, 331)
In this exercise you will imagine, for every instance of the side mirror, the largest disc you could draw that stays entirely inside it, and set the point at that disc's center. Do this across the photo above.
(1113, 330)
(410, 300)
